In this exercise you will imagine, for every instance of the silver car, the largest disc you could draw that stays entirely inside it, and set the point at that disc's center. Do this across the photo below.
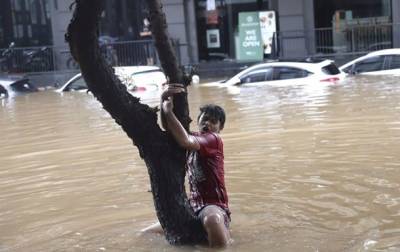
(285, 73)
(15, 85)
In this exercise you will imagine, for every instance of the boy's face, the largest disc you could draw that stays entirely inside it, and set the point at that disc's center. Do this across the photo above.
(207, 123)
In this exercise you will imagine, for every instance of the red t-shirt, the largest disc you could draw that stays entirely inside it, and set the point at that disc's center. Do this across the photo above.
(206, 173)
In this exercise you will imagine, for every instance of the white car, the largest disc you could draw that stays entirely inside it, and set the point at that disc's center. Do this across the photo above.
(286, 73)
(375, 63)
(136, 78)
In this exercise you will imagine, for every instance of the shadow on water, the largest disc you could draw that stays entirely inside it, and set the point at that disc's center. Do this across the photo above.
(308, 168)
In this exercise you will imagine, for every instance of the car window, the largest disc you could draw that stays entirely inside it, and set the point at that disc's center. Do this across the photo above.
(369, 65)
(285, 73)
(347, 69)
(331, 69)
(77, 84)
(257, 75)
(394, 62)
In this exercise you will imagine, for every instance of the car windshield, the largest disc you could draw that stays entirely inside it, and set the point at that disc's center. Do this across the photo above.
(77, 84)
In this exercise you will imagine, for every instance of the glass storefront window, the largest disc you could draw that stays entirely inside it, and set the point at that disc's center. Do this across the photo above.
(217, 26)
(27, 21)
(125, 20)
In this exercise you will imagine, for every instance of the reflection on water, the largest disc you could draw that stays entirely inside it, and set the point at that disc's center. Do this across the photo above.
(308, 168)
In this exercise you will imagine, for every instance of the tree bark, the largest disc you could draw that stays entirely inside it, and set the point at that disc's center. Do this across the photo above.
(164, 159)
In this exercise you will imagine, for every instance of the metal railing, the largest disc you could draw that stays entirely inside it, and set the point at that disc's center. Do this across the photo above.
(51, 58)
(26, 59)
(350, 40)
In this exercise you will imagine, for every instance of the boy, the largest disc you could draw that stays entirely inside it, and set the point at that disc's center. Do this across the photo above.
(205, 166)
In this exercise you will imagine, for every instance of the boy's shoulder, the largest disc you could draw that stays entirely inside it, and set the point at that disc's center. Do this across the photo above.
(209, 139)
(206, 134)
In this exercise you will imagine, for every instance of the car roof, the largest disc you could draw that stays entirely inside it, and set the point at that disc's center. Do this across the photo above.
(371, 54)
(136, 69)
(385, 52)
(304, 65)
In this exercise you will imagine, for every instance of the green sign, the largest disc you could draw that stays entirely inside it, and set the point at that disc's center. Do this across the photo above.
(250, 41)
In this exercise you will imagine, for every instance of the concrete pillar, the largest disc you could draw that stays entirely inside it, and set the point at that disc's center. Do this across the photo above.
(175, 13)
(292, 26)
(191, 31)
(396, 22)
(60, 17)
(309, 26)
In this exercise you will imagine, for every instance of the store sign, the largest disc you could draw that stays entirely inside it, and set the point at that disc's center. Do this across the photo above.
(250, 47)
(256, 33)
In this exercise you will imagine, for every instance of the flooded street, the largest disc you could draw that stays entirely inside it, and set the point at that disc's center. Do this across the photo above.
(308, 168)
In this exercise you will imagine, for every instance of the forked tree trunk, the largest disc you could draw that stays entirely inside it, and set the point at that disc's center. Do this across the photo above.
(165, 161)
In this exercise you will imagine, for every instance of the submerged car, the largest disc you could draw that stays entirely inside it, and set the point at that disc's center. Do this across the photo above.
(15, 85)
(385, 61)
(136, 78)
(286, 73)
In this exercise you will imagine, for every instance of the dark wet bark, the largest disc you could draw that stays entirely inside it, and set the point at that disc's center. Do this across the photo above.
(165, 161)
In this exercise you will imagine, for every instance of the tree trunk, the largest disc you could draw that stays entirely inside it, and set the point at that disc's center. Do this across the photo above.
(164, 159)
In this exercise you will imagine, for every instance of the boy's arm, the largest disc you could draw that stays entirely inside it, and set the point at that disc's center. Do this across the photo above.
(185, 140)
(172, 124)
(163, 121)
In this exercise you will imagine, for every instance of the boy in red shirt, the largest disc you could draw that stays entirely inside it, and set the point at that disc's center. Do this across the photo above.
(205, 166)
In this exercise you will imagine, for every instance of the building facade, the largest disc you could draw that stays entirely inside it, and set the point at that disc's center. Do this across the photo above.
(220, 30)
(25, 23)
(302, 28)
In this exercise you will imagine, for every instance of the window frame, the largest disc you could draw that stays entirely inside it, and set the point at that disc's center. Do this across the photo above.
(354, 70)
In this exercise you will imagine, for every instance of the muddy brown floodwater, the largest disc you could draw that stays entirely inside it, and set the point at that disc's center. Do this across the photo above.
(308, 168)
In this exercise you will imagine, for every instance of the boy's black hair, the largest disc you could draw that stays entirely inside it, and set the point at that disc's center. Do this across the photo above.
(213, 111)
